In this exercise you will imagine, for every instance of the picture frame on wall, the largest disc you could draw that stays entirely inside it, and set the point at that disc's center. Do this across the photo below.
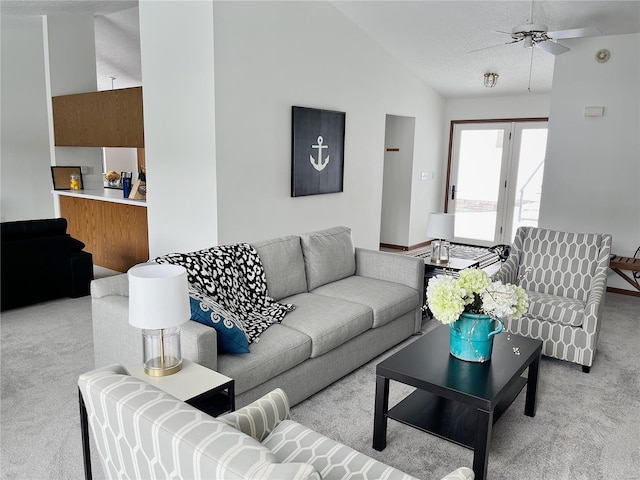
(317, 151)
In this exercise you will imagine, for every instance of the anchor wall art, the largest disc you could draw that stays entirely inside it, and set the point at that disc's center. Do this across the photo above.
(317, 152)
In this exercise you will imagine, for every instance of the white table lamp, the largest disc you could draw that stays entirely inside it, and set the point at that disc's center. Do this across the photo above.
(440, 227)
(159, 304)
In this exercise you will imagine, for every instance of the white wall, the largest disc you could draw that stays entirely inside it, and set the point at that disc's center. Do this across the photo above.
(532, 105)
(70, 67)
(272, 55)
(24, 147)
(396, 187)
(179, 122)
(592, 172)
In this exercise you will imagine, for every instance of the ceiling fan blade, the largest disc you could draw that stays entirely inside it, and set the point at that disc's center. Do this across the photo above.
(494, 46)
(552, 47)
(575, 33)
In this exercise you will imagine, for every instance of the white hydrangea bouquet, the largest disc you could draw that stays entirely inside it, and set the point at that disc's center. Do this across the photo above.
(474, 292)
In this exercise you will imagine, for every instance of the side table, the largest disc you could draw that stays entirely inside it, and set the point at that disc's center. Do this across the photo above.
(203, 388)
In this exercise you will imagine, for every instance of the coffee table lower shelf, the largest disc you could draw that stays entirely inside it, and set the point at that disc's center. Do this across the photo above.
(445, 418)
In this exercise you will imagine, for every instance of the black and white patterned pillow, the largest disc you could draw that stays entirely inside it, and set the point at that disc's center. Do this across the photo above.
(233, 276)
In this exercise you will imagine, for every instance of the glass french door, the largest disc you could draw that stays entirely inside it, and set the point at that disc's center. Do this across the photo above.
(495, 179)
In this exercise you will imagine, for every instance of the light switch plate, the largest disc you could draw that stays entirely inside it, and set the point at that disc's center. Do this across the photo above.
(593, 111)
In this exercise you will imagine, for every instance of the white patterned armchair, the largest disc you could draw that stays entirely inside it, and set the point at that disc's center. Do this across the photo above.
(566, 288)
(143, 433)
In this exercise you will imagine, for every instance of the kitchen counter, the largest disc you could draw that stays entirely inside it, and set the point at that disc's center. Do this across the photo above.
(104, 194)
(113, 229)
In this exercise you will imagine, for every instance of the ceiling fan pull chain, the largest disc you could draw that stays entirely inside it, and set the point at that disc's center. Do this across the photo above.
(530, 69)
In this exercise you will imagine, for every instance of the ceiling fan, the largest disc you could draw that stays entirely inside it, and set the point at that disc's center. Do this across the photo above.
(534, 35)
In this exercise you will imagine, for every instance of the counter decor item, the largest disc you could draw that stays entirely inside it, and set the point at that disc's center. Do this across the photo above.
(67, 178)
(126, 184)
(139, 187)
(474, 307)
(113, 179)
(74, 182)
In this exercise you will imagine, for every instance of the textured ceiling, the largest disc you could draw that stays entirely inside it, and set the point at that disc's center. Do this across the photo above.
(432, 38)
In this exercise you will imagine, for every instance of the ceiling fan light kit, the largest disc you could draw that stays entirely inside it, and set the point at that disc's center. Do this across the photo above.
(490, 79)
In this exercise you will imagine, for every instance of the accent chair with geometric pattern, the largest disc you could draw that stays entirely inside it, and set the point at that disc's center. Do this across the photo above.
(141, 432)
(566, 285)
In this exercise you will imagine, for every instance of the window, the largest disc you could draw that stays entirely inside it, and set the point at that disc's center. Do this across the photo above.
(495, 178)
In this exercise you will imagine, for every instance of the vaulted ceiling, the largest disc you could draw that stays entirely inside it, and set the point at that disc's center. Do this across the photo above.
(434, 39)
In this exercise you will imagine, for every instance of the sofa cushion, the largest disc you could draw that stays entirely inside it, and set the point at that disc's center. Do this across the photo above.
(388, 300)
(283, 266)
(328, 321)
(280, 348)
(566, 311)
(231, 335)
(329, 255)
(292, 442)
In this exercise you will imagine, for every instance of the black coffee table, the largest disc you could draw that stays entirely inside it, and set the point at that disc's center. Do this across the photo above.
(456, 400)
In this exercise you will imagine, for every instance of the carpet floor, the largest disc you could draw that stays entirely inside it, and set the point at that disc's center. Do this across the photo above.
(587, 425)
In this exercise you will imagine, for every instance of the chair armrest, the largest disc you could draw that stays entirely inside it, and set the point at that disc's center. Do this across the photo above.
(508, 273)
(598, 287)
(259, 418)
(462, 473)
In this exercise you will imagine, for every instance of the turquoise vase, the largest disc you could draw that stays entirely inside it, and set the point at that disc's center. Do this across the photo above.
(471, 337)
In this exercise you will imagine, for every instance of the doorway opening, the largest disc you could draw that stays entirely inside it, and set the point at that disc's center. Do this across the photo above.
(396, 182)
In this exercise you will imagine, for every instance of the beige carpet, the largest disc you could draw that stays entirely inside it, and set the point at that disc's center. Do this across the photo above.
(586, 425)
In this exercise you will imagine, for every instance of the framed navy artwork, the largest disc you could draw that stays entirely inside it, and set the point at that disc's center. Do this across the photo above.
(317, 151)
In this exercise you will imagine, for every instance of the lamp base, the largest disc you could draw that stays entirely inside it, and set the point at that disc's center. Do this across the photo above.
(157, 367)
(161, 351)
(440, 251)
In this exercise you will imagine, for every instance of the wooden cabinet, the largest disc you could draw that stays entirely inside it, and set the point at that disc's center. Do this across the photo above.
(115, 233)
(110, 118)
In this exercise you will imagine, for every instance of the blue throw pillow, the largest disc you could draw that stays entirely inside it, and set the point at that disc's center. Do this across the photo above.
(231, 335)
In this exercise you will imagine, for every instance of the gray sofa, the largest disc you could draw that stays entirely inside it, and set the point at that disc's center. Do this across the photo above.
(352, 304)
(259, 441)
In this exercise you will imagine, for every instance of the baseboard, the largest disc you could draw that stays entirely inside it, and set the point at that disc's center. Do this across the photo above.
(403, 248)
(622, 291)
(394, 247)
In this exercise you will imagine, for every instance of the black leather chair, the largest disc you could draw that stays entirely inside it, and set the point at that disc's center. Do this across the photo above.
(40, 262)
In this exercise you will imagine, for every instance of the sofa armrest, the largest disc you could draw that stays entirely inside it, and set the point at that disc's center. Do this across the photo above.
(462, 473)
(114, 285)
(391, 267)
(116, 341)
(259, 418)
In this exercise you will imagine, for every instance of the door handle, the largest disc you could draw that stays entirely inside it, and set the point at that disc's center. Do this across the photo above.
(453, 192)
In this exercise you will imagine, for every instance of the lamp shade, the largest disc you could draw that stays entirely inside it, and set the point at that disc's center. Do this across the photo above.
(441, 225)
(158, 296)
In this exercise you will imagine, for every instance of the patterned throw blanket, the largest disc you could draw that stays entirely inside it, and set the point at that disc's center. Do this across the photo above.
(232, 276)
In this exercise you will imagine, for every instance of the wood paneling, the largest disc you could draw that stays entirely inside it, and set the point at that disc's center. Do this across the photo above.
(115, 233)
(110, 118)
